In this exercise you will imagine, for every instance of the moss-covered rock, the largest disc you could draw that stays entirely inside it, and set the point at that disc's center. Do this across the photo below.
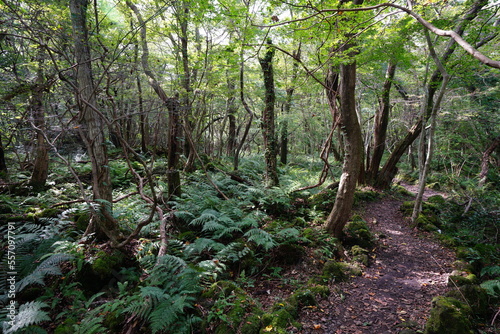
(401, 191)
(232, 309)
(474, 296)
(436, 199)
(449, 315)
(365, 196)
(360, 255)
(324, 199)
(338, 271)
(357, 232)
(82, 221)
(462, 279)
(278, 321)
(106, 262)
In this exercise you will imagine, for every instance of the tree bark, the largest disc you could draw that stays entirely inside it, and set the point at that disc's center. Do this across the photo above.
(41, 163)
(91, 123)
(485, 160)
(353, 145)
(3, 164)
(353, 142)
(268, 118)
(380, 125)
(174, 110)
(287, 107)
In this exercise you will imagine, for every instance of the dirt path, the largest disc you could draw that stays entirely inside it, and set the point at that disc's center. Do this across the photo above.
(395, 291)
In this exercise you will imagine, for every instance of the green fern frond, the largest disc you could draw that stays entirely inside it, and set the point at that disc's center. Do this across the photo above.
(233, 252)
(30, 313)
(260, 238)
(92, 324)
(202, 245)
(49, 266)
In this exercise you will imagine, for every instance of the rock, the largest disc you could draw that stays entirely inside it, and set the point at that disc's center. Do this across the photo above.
(449, 315)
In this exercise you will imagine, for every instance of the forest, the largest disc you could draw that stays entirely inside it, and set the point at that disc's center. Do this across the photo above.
(248, 166)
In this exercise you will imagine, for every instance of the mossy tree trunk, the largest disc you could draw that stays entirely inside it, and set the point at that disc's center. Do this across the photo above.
(268, 118)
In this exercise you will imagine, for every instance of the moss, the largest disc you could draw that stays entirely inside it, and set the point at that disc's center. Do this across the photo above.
(407, 208)
(333, 270)
(82, 221)
(447, 240)
(113, 321)
(323, 200)
(475, 296)
(459, 280)
(233, 310)
(365, 196)
(48, 213)
(449, 315)
(434, 185)
(105, 263)
(278, 322)
(357, 232)
(400, 190)
(463, 266)
(436, 199)
(322, 291)
(66, 327)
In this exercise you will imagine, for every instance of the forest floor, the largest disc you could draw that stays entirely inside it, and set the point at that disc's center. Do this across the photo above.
(407, 269)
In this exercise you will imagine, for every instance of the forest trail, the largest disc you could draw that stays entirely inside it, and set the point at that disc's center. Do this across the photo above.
(407, 270)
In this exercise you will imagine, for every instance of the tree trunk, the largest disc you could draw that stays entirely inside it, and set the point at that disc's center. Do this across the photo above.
(485, 160)
(3, 164)
(430, 147)
(353, 145)
(174, 110)
(380, 125)
(287, 108)
(231, 116)
(41, 164)
(384, 179)
(268, 118)
(91, 123)
(353, 141)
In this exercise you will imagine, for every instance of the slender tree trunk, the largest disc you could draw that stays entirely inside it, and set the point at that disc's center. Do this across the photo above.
(174, 111)
(268, 118)
(287, 107)
(231, 116)
(380, 125)
(430, 148)
(247, 109)
(3, 164)
(485, 160)
(353, 143)
(92, 124)
(41, 164)
(389, 170)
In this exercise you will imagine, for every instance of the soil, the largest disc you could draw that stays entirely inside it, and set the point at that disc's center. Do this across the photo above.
(407, 269)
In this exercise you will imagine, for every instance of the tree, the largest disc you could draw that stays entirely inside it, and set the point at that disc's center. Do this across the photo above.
(353, 141)
(268, 117)
(92, 123)
(174, 111)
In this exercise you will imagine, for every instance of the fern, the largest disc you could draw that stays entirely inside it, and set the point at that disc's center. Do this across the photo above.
(260, 238)
(30, 313)
(492, 287)
(169, 291)
(49, 266)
